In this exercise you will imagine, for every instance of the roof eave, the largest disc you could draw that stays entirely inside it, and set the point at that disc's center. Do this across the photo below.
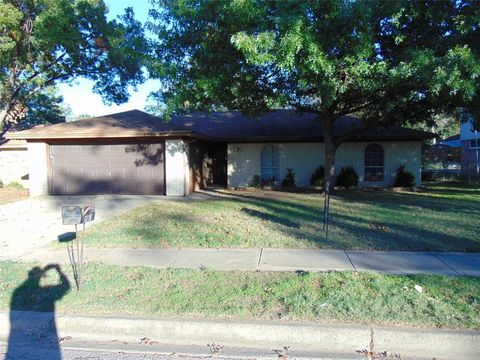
(321, 139)
(71, 135)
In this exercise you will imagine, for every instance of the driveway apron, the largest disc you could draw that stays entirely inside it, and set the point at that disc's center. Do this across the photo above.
(34, 223)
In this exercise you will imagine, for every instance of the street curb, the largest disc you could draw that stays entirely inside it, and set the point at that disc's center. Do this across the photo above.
(305, 337)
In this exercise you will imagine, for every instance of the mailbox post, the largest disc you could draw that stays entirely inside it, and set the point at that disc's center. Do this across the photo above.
(77, 215)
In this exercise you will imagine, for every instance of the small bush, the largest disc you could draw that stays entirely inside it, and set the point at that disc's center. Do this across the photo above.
(14, 185)
(289, 180)
(1, 184)
(347, 177)
(269, 182)
(404, 178)
(428, 175)
(318, 177)
(256, 182)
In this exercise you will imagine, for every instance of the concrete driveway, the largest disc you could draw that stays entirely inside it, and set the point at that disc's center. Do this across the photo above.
(34, 223)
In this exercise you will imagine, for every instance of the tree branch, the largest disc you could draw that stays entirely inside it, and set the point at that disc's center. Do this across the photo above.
(355, 109)
(46, 83)
(34, 75)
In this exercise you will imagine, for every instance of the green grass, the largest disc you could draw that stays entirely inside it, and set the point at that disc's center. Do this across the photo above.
(441, 217)
(325, 297)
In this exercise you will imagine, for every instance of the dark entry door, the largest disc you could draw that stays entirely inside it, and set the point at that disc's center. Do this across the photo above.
(107, 168)
(217, 153)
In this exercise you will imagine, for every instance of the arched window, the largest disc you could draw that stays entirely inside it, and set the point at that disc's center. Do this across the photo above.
(269, 162)
(374, 163)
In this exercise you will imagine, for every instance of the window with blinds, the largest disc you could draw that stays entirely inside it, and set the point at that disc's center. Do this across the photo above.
(269, 162)
(374, 163)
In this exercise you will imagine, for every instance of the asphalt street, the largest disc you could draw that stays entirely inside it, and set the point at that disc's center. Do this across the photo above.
(71, 354)
(94, 351)
(74, 354)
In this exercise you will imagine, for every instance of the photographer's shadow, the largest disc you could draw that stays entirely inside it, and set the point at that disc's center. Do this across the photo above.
(33, 331)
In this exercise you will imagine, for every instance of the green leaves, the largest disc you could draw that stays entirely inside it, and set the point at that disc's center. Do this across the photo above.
(256, 47)
(45, 41)
(392, 63)
(9, 20)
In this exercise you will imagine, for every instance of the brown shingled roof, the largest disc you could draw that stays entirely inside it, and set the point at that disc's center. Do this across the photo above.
(280, 125)
(134, 123)
(287, 125)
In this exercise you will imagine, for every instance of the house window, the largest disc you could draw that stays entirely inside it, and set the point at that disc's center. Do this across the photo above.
(374, 163)
(269, 162)
(475, 144)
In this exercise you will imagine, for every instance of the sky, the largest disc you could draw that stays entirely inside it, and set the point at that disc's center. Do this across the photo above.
(80, 96)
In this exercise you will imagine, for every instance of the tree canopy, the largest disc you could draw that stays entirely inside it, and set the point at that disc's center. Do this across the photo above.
(392, 62)
(46, 41)
(45, 107)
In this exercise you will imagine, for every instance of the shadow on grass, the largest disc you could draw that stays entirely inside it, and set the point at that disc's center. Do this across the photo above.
(403, 237)
(33, 332)
(360, 231)
(421, 200)
(450, 188)
(360, 220)
(272, 218)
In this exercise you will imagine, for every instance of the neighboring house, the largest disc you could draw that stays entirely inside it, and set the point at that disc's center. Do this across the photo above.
(444, 156)
(13, 161)
(451, 141)
(137, 153)
(470, 142)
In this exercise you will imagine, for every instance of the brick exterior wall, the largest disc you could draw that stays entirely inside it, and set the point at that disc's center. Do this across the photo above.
(244, 160)
(14, 166)
(176, 167)
(38, 168)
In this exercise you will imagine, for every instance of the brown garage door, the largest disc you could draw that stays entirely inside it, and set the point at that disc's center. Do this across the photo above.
(107, 168)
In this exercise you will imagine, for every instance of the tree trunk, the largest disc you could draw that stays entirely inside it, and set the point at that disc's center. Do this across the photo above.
(330, 151)
(330, 176)
(3, 115)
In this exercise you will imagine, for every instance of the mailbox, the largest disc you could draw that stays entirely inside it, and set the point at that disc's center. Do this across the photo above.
(72, 215)
(89, 213)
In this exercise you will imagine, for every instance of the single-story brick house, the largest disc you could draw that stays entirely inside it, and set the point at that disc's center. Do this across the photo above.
(13, 161)
(136, 153)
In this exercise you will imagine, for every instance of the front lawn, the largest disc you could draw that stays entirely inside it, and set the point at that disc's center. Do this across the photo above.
(441, 217)
(328, 297)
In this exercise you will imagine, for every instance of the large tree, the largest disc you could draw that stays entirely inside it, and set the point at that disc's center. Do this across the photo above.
(46, 41)
(392, 62)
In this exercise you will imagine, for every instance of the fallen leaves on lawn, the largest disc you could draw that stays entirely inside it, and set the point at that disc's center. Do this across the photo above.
(379, 227)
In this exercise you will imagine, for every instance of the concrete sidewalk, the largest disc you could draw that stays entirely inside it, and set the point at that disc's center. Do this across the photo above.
(387, 262)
